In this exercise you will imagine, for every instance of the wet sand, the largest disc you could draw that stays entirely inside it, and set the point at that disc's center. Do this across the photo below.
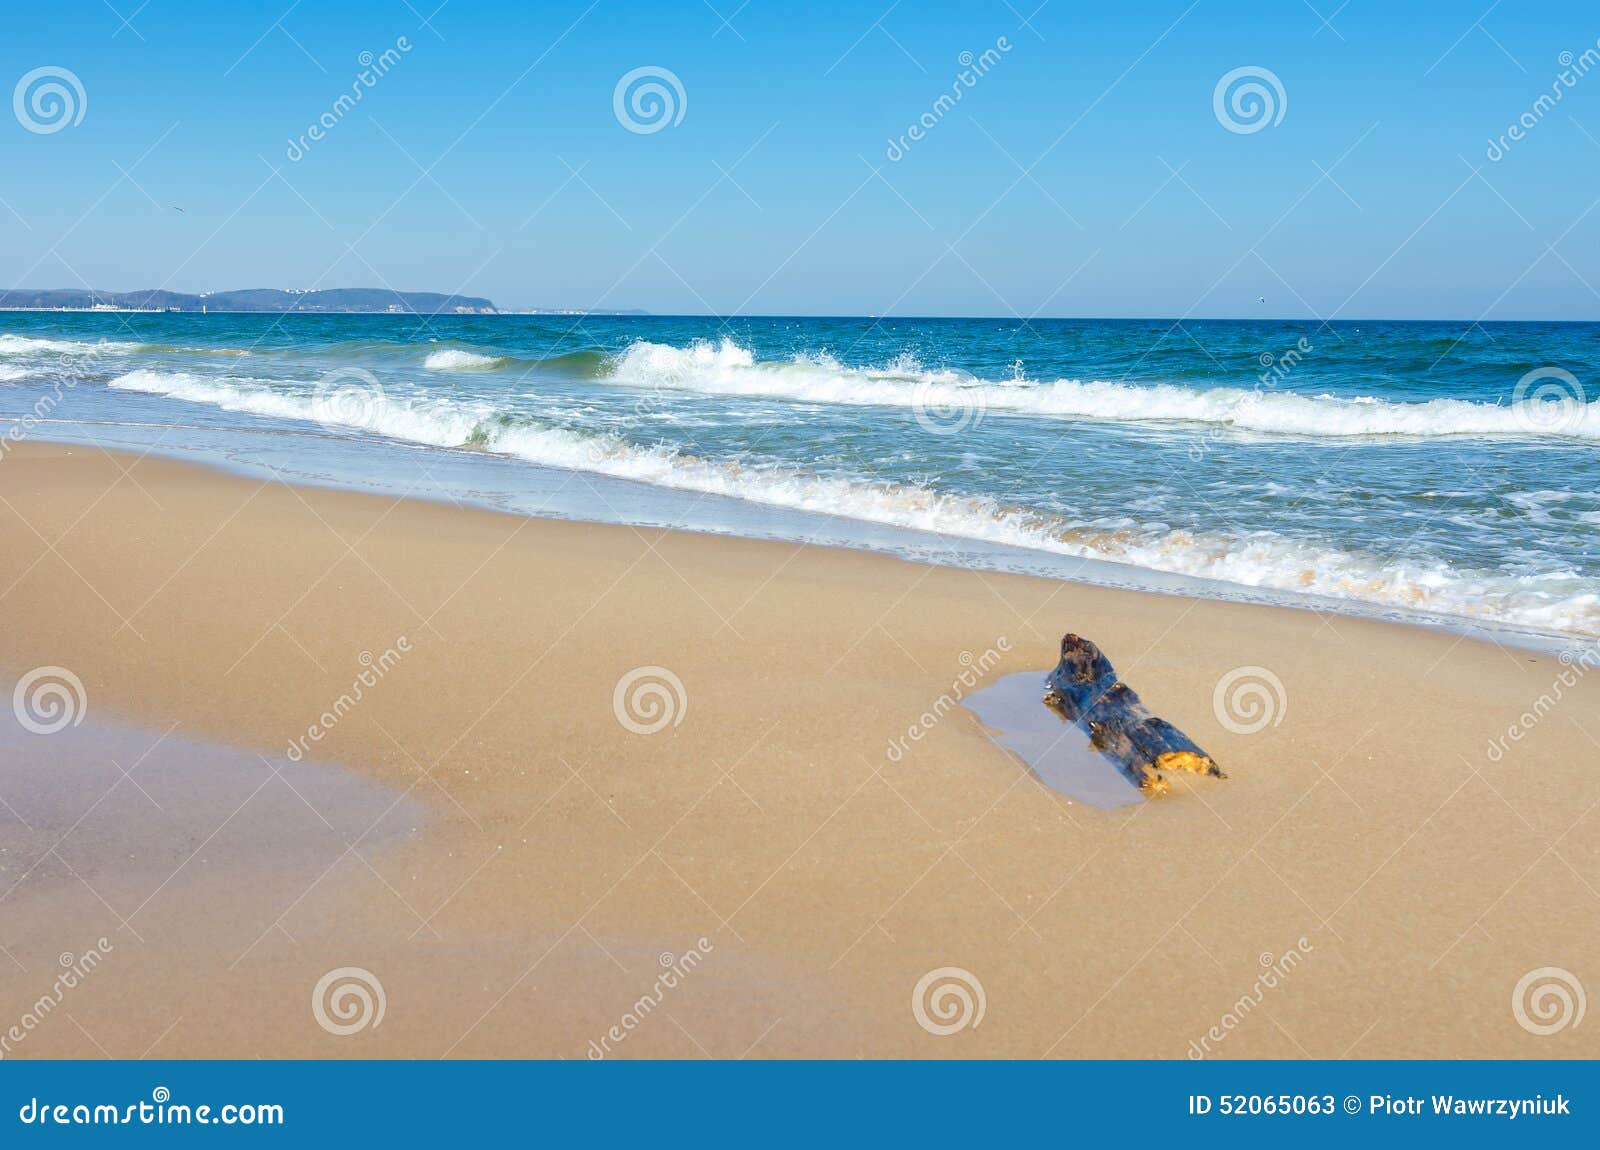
(783, 846)
(1060, 752)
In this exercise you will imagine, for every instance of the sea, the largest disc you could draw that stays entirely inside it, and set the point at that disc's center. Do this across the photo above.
(1444, 473)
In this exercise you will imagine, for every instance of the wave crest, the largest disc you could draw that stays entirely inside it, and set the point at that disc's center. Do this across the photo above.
(436, 423)
(11, 344)
(459, 359)
(726, 368)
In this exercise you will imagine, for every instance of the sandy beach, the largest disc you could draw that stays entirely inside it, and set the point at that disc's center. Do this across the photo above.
(519, 870)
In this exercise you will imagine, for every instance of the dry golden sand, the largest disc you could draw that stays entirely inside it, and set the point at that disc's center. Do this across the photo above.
(558, 855)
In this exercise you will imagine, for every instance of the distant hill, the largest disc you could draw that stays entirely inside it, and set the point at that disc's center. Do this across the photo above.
(252, 299)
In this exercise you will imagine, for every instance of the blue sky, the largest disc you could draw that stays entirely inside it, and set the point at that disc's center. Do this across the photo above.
(1085, 173)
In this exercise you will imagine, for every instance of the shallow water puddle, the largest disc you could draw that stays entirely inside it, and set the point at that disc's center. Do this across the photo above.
(1056, 750)
(130, 810)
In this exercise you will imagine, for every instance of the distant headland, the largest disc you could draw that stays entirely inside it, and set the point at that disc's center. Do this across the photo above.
(382, 301)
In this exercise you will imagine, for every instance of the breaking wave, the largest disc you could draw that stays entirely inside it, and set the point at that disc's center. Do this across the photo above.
(1259, 559)
(455, 359)
(31, 345)
(727, 369)
(581, 364)
(436, 423)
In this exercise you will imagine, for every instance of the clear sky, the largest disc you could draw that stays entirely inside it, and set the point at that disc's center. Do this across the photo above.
(1086, 171)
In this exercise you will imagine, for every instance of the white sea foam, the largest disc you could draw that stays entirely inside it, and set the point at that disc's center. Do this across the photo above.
(455, 359)
(9, 373)
(728, 369)
(31, 345)
(1261, 559)
(1258, 559)
(437, 423)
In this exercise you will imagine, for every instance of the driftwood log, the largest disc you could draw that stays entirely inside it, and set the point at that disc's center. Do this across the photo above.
(1085, 689)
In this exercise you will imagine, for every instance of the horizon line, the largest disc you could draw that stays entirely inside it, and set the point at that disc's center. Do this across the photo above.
(639, 313)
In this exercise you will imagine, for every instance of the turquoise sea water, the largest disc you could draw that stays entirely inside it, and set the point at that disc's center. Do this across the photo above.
(1451, 469)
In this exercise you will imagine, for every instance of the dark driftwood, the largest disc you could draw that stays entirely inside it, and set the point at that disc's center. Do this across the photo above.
(1085, 689)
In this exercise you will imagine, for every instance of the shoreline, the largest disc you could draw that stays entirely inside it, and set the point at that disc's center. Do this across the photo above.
(566, 852)
(1312, 478)
(851, 534)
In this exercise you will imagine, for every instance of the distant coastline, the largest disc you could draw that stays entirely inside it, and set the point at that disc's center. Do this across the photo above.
(332, 301)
